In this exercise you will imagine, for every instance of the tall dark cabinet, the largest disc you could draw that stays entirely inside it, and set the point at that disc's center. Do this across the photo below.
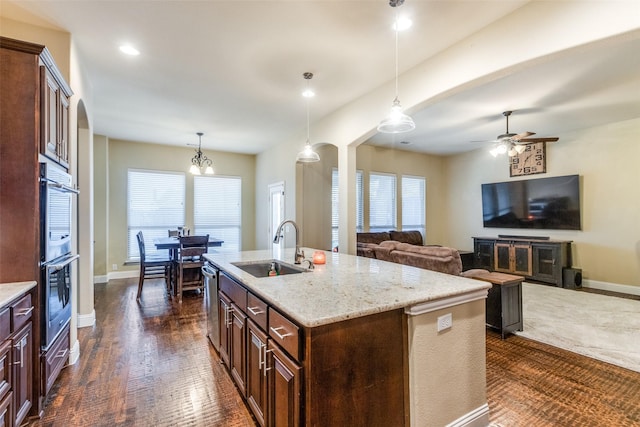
(541, 259)
(34, 126)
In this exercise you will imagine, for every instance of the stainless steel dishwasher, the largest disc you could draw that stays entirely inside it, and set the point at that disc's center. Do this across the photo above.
(211, 294)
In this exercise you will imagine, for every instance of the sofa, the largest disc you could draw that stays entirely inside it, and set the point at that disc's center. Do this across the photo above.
(366, 242)
(436, 258)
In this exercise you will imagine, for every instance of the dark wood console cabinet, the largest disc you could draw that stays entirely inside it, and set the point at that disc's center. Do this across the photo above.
(536, 259)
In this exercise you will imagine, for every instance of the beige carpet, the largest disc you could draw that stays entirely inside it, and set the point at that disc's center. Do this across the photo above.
(603, 327)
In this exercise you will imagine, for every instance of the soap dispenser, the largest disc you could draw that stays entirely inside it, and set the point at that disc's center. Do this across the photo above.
(272, 270)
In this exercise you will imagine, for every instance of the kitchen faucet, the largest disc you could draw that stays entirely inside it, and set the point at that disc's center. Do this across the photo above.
(299, 253)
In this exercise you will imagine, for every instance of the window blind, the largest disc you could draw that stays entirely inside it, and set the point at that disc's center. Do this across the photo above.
(155, 204)
(413, 204)
(218, 209)
(382, 202)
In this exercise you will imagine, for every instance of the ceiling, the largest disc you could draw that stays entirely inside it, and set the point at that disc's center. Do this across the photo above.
(233, 70)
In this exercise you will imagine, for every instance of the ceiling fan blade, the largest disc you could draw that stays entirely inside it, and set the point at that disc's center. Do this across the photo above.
(519, 136)
(550, 139)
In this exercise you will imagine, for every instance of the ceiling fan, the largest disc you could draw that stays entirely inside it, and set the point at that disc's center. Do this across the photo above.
(512, 143)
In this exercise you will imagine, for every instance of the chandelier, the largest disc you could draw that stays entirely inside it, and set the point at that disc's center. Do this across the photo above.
(397, 121)
(200, 161)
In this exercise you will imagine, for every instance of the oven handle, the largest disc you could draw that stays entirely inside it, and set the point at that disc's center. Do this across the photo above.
(60, 266)
(60, 186)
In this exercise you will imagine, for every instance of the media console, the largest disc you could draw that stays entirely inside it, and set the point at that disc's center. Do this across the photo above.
(541, 259)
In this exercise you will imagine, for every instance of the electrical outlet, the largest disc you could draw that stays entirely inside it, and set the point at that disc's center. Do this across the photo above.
(114, 267)
(445, 322)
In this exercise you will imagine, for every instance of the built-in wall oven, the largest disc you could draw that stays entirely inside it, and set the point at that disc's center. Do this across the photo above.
(56, 257)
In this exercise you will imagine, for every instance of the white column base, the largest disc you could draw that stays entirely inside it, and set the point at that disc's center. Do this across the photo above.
(74, 353)
(479, 417)
(86, 320)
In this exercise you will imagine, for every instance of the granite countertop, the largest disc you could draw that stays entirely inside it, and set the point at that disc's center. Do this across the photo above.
(12, 290)
(347, 286)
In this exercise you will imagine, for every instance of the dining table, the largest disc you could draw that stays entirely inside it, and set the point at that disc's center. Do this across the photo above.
(173, 243)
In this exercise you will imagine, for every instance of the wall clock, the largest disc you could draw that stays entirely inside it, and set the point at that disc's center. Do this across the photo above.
(531, 161)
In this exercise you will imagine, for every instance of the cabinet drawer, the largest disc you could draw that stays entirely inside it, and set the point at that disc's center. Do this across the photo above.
(5, 324)
(21, 312)
(236, 292)
(257, 311)
(54, 360)
(6, 410)
(5, 368)
(284, 333)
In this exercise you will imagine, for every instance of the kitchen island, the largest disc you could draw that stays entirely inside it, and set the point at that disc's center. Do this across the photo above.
(355, 341)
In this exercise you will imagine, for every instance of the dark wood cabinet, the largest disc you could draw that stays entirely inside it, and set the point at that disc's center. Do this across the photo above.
(504, 307)
(224, 320)
(54, 359)
(238, 354)
(483, 251)
(22, 372)
(256, 373)
(295, 376)
(514, 258)
(55, 95)
(34, 124)
(283, 389)
(256, 363)
(549, 260)
(538, 259)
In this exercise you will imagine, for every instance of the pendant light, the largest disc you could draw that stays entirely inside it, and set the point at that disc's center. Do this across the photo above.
(397, 121)
(307, 155)
(200, 161)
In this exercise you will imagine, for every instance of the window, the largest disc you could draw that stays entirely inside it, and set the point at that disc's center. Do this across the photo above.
(217, 209)
(382, 202)
(334, 205)
(155, 204)
(413, 204)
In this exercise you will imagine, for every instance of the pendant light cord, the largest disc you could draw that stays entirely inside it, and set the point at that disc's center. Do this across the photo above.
(396, 30)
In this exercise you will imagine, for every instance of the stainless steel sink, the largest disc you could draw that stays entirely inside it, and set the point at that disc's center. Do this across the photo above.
(263, 267)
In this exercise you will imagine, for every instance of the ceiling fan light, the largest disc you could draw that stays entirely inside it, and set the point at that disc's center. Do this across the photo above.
(520, 148)
(494, 151)
(512, 152)
(501, 148)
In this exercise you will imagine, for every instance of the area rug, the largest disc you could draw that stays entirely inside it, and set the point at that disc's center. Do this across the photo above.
(603, 327)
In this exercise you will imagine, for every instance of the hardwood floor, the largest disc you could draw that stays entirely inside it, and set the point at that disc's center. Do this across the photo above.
(150, 364)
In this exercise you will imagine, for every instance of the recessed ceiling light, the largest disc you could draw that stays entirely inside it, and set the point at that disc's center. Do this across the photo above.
(129, 50)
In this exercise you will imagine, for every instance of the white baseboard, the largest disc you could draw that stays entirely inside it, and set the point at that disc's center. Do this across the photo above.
(87, 320)
(479, 417)
(74, 353)
(612, 287)
(125, 274)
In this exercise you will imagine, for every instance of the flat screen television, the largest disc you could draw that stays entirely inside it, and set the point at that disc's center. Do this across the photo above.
(543, 203)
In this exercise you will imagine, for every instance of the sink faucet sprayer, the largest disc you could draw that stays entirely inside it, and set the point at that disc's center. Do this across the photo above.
(299, 253)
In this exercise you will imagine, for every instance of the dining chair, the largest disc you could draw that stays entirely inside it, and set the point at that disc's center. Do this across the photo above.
(188, 265)
(152, 266)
